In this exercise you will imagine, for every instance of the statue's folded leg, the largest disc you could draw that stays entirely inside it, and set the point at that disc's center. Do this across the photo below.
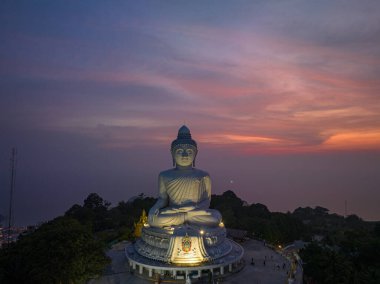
(167, 218)
(206, 217)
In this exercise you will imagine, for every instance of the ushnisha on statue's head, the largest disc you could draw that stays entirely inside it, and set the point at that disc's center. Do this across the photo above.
(184, 149)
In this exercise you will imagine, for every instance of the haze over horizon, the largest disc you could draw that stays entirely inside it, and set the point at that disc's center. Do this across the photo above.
(282, 98)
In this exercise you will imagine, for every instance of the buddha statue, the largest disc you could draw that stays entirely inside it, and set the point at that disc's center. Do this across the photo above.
(184, 191)
(183, 233)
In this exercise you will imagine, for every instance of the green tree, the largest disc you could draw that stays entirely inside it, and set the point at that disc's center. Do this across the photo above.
(95, 202)
(60, 251)
(94, 213)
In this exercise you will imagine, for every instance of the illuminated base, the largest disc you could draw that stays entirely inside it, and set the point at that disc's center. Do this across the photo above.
(187, 249)
(184, 250)
(183, 245)
(154, 269)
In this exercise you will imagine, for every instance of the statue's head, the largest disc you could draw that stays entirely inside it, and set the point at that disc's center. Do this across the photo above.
(184, 148)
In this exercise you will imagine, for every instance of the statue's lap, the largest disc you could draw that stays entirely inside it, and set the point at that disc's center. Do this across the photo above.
(171, 217)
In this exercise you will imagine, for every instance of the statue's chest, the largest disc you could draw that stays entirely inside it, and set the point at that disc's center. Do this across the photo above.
(185, 188)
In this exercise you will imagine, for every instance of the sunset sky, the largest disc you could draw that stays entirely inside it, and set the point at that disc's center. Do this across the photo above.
(283, 98)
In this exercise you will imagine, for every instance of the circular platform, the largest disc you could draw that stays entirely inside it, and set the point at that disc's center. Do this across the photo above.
(153, 269)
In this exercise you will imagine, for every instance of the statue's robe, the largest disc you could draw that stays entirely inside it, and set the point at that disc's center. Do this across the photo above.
(180, 189)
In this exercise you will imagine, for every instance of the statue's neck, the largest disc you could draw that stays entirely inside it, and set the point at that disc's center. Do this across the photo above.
(183, 168)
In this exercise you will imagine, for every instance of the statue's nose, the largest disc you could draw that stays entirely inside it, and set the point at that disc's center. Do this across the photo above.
(184, 154)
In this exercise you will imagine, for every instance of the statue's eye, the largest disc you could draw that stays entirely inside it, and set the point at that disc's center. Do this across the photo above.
(190, 152)
(179, 151)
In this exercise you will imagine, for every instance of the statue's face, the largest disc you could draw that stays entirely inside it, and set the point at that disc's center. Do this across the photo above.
(184, 155)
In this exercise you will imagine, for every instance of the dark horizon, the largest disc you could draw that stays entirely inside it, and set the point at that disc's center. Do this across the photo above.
(263, 187)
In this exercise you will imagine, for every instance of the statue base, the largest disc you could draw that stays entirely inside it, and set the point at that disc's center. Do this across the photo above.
(184, 250)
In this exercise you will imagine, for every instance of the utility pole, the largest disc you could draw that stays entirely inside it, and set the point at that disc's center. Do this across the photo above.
(12, 187)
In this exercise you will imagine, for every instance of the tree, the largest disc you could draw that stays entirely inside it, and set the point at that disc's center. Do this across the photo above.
(94, 201)
(259, 210)
(61, 251)
(94, 213)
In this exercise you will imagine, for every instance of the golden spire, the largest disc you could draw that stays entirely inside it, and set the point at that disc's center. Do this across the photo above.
(143, 221)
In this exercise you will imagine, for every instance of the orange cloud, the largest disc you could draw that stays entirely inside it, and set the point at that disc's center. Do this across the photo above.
(237, 139)
(353, 140)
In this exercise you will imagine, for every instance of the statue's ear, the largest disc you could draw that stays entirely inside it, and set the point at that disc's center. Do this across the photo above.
(173, 160)
(196, 152)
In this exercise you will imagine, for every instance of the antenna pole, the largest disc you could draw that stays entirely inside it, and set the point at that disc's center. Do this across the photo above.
(12, 187)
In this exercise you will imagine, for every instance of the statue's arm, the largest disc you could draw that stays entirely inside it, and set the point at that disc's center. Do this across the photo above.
(205, 202)
(162, 197)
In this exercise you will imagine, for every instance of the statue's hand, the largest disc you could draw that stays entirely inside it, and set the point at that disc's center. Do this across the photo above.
(152, 213)
(186, 208)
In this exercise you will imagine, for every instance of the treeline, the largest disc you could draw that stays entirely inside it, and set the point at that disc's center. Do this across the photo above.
(276, 228)
(340, 250)
(71, 248)
(344, 250)
(60, 251)
(110, 224)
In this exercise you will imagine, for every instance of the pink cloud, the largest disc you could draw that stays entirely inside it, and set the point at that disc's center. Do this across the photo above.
(263, 92)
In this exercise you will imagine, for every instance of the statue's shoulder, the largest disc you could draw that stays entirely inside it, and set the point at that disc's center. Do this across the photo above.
(201, 173)
(167, 172)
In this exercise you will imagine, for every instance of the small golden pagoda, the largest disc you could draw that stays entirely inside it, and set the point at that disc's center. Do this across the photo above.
(140, 224)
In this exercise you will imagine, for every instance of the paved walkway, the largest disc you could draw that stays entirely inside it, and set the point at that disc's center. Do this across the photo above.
(273, 271)
(269, 266)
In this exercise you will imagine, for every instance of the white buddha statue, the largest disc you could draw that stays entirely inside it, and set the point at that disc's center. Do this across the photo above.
(184, 191)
